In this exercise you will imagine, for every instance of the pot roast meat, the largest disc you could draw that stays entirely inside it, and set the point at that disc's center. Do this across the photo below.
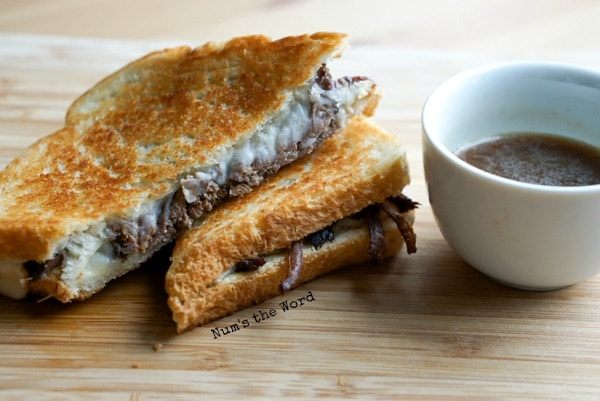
(319, 238)
(403, 203)
(376, 233)
(393, 206)
(295, 267)
(249, 265)
(146, 234)
(128, 236)
(406, 230)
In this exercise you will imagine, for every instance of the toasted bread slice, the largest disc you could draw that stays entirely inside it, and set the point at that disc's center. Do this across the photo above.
(362, 166)
(155, 146)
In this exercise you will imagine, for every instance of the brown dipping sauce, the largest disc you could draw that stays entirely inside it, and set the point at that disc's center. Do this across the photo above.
(537, 159)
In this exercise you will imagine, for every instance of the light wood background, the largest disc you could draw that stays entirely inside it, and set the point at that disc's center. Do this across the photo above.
(420, 327)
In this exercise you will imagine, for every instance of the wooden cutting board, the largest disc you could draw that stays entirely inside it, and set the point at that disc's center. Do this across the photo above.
(419, 327)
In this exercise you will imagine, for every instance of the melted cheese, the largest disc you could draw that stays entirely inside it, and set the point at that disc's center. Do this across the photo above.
(289, 127)
(89, 259)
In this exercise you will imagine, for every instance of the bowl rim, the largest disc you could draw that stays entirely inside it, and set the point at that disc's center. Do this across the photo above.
(449, 85)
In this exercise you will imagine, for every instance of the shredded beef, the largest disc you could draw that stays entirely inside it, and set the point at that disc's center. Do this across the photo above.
(179, 218)
(147, 234)
(129, 237)
(403, 203)
(319, 238)
(249, 265)
(393, 206)
(410, 238)
(376, 232)
(35, 270)
(295, 262)
(324, 79)
(126, 239)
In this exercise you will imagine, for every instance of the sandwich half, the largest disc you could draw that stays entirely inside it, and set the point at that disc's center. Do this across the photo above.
(156, 146)
(341, 205)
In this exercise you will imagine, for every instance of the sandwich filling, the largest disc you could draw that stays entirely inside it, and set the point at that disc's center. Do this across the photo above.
(394, 207)
(89, 259)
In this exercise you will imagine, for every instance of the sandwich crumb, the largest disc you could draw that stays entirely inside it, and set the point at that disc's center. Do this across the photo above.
(135, 366)
(157, 347)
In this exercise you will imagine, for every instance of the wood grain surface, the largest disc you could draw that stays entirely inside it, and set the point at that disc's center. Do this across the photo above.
(420, 327)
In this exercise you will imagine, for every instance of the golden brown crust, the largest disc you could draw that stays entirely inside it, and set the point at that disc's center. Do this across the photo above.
(361, 166)
(250, 288)
(129, 137)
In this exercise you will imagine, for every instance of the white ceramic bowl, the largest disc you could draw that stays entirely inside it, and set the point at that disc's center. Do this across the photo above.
(524, 235)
